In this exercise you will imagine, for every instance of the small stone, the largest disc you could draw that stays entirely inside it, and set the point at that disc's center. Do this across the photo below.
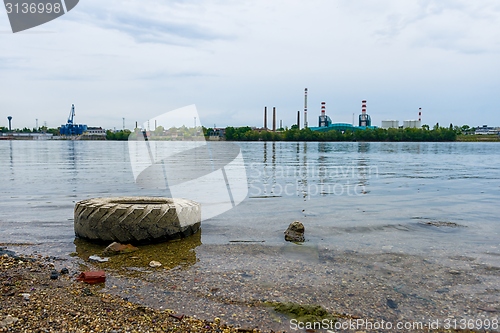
(295, 232)
(154, 264)
(86, 292)
(176, 316)
(54, 275)
(98, 259)
(7, 321)
(117, 248)
(488, 309)
(64, 271)
(26, 296)
(391, 304)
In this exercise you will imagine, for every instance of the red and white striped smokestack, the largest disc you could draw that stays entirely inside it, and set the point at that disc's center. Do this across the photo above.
(305, 108)
(363, 107)
(323, 108)
(419, 114)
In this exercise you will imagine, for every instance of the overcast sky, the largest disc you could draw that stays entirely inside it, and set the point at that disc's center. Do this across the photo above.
(137, 59)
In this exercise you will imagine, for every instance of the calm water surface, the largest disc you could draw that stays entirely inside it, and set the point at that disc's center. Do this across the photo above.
(371, 197)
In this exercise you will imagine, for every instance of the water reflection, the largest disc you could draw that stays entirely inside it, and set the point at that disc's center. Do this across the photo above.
(312, 169)
(11, 152)
(170, 254)
(303, 172)
(363, 164)
(71, 158)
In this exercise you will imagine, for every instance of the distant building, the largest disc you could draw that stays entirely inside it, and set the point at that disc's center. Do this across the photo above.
(412, 124)
(219, 131)
(96, 131)
(484, 130)
(390, 124)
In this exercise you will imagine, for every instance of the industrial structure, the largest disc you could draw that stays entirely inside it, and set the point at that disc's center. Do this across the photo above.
(406, 124)
(390, 124)
(364, 119)
(414, 123)
(274, 119)
(486, 130)
(305, 109)
(265, 118)
(265, 128)
(70, 128)
(325, 122)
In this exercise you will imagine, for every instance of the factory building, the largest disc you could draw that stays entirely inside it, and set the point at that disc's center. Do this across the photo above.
(390, 124)
(96, 131)
(325, 122)
(364, 119)
(485, 130)
(412, 124)
(406, 124)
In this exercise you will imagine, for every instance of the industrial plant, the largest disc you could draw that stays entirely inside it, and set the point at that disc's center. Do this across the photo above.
(324, 121)
(406, 124)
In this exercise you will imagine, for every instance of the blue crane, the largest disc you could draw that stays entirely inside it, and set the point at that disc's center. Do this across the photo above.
(70, 128)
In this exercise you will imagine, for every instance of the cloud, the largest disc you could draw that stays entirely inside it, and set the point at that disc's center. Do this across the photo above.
(117, 59)
(457, 26)
(152, 22)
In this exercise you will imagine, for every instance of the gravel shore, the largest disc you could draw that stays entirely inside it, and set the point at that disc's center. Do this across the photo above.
(229, 288)
(33, 302)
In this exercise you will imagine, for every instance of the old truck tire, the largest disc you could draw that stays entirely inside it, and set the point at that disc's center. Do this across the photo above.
(136, 220)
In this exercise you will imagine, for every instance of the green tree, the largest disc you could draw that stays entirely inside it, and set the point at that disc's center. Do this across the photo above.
(159, 130)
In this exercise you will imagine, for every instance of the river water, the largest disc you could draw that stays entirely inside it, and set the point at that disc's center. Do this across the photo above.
(393, 230)
(407, 197)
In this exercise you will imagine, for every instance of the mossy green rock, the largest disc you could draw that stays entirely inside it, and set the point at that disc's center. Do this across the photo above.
(303, 312)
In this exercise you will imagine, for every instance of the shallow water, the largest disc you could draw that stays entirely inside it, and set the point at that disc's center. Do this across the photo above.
(371, 197)
(413, 223)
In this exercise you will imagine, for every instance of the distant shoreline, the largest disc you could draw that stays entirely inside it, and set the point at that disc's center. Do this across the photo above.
(459, 138)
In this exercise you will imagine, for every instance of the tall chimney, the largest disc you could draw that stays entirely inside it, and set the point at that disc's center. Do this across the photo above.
(274, 119)
(10, 124)
(265, 118)
(363, 121)
(298, 119)
(305, 108)
(323, 108)
(419, 114)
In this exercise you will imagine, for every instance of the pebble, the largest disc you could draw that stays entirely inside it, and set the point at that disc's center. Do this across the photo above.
(154, 264)
(98, 259)
(8, 321)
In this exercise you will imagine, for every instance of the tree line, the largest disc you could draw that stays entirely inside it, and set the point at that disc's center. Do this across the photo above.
(435, 134)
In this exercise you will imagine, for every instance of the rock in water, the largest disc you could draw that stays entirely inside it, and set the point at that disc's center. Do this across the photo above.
(117, 248)
(154, 264)
(295, 232)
